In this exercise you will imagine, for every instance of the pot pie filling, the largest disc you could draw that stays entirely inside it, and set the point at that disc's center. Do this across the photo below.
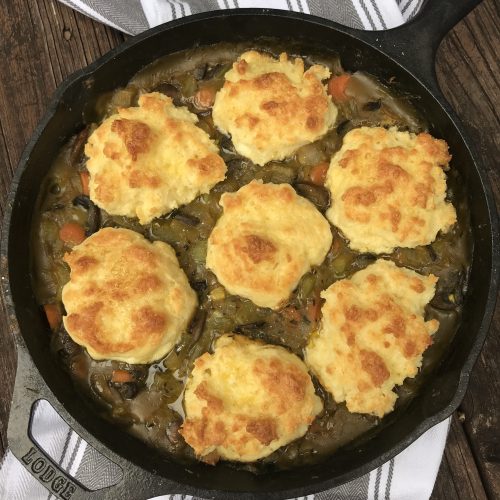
(145, 161)
(388, 189)
(127, 299)
(271, 107)
(257, 248)
(246, 400)
(372, 335)
(245, 278)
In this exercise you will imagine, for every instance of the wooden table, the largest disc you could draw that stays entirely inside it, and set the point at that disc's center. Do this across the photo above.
(42, 42)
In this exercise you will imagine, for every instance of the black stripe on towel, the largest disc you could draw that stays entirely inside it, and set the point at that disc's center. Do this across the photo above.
(389, 480)
(362, 3)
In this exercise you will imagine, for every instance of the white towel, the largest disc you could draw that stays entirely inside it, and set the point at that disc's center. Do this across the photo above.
(412, 473)
(134, 16)
(408, 476)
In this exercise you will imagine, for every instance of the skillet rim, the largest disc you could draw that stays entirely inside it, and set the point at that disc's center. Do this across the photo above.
(81, 75)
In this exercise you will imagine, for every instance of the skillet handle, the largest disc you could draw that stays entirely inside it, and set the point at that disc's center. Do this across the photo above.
(414, 45)
(38, 463)
(28, 389)
(24, 447)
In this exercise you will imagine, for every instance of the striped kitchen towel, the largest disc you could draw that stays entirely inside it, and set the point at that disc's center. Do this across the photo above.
(408, 476)
(134, 16)
(412, 473)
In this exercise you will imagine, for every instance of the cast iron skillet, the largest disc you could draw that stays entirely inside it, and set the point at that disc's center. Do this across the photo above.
(407, 53)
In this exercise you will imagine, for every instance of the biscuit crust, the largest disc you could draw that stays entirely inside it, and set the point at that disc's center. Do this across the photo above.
(388, 189)
(272, 107)
(258, 250)
(372, 335)
(145, 161)
(127, 298)
(246, 400)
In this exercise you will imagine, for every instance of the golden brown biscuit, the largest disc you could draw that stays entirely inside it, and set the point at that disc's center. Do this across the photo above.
(272, 107)
(372, 335)
(127, 298)
(267, 238)
(388, 189)
(148, 160)
(246, 400)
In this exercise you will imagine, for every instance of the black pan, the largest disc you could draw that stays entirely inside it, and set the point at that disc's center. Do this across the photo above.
(407, 53)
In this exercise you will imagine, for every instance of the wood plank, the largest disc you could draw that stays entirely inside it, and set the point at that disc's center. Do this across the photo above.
(6, 171)
(468, 70)
(67, 35)
(41, 44)
(469, 78)
(461, 479)
(444, 487)
(481, 407)
(38, 55)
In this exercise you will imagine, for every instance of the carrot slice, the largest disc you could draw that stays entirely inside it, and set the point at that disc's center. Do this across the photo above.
(313, 310)
(318, 173)
(84, 179)
(72, 233)
(121, 376)
(53, 314)
(337, 86)
(336, 246)
(204, 98)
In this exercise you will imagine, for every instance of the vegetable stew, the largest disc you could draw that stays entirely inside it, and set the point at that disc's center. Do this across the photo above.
(146, 400)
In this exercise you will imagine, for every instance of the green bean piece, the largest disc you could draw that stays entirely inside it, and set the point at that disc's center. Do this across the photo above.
(306, 286)
(168, 385)
(279, 173)
(341, 264)
(198, 252)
